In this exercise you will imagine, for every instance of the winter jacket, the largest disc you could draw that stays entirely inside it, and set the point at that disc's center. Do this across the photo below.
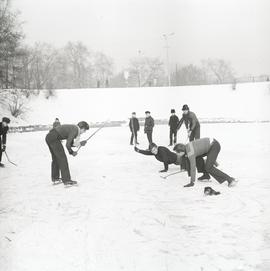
(173, 122)
(194, 149)
(134, 124)
(191, 121)
(149, 124)
(3, 133)
(164, 155)
(69, 132)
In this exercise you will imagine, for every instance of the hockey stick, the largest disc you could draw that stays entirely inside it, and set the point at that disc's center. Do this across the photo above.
(93, 134)
(168, 175)
(9, 159)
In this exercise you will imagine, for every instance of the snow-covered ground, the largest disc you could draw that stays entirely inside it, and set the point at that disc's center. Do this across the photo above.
(123, 216)
(250, 101)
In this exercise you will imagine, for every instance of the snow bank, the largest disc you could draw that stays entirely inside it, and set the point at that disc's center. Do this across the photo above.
(250, 101)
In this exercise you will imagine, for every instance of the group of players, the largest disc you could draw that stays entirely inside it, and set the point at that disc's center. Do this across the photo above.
(199, 154)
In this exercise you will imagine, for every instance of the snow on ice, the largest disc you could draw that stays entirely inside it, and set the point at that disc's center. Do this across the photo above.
(123, 216)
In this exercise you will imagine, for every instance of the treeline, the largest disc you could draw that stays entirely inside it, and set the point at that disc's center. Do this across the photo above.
(42, 66)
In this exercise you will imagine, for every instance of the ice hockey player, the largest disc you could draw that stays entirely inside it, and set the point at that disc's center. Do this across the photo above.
(148, 126)
(71, 133)
(3, 137)
(173, 122)
(191, 122)
(195, 151)
(163, 155)
(134, 128)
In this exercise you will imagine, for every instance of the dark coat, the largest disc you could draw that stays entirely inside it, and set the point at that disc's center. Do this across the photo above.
(3, 133)
(173, 122)
(191, 121)
(68, 132)
(149, 124)
(164, 155)
(134, 124)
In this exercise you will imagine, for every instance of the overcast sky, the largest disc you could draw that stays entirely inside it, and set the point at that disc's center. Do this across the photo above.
(235, 30)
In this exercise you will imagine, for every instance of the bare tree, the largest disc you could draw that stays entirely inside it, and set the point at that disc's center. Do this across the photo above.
(42, 65)
(188, 75)
(218, 71)
(10, 37)
(16, 103)
(79, 57)
(103, 69)
(144, 70)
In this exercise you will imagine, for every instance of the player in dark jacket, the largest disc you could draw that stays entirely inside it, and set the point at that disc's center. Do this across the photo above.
(134, 128)
(161, 153)
(209, 148)
(148, 126)
(72, 134)
(191, 122)
(173, 122)
(3, 136)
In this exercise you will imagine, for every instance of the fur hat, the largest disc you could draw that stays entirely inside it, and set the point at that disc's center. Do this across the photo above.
(5, 119)
(147, 112)
(172, 110)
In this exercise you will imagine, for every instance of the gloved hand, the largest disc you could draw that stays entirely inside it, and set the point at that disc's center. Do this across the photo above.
(163, 170)
(74, 153)
(136, 149)
(189, 133)
(3, 148)
(83, 143)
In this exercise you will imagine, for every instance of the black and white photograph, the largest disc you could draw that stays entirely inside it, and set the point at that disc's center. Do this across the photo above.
(134, 135)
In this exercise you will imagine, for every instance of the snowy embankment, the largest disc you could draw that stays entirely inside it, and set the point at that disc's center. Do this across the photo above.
(123, 216)
(249, 102)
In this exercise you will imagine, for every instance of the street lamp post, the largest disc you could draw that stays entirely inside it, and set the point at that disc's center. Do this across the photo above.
(167, 56)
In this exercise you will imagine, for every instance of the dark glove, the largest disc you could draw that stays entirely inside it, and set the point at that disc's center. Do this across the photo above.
(74, 153)
(83, 143)
(3, 148)
(136, 149)
(163, 170)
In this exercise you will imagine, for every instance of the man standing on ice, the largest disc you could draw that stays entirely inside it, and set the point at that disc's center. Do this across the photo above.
(195, 151)
(134, 128)
(173, 122)
(59, 164)
(191, 122)
(148, 126)
(3, 136)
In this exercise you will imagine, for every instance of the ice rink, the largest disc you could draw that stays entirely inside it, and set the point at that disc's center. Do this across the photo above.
(123, 216)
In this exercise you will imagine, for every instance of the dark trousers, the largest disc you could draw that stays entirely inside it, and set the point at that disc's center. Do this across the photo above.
(210, 163)
(0, 149)
(149, 136)
(132, 137)
(173, 136)
(59, 158)
(196, 133)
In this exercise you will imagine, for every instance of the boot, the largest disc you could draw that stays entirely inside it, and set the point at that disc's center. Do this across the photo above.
(204, 177)
(189, 184)
(69, 182)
